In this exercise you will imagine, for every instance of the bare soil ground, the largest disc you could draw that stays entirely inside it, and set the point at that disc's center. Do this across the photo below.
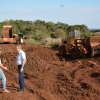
(50, 77)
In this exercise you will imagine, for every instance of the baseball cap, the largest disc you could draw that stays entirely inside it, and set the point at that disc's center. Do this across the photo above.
(0, 49)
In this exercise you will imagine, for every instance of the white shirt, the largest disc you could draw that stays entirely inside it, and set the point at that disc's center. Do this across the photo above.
(21, 56)
(0, 63)
(0, 60)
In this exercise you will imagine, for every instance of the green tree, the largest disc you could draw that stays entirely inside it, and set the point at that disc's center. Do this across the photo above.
(59, 33)
(86, 34)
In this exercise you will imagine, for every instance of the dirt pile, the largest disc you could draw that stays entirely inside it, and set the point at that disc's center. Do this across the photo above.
(48, 78)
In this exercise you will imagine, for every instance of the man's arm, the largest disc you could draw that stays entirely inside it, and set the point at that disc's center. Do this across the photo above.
(3, 67)
(23, 63)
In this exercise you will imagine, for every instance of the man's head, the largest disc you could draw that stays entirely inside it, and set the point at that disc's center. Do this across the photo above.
(19, 48)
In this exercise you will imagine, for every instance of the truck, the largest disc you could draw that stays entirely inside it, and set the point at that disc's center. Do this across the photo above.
(79, 47)
(9, 37)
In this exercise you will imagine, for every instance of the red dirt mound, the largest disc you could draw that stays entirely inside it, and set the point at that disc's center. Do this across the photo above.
(48, 78)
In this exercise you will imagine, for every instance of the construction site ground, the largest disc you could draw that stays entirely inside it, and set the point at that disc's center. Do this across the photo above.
(49, 76)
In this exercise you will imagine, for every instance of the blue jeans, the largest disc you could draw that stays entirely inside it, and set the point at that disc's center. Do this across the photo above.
(21, 78)
(3, 79)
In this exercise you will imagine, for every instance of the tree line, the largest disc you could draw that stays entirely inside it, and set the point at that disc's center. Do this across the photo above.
(39, 29)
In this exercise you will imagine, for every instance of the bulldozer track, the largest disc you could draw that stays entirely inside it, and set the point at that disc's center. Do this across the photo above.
(90, 88)
(72, 90)
(67, 91)
(69, 88)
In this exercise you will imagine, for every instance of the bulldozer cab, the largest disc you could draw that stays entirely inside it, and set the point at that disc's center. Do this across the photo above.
(74, 34)
(73, 37)
(20, 38)
(20, 35)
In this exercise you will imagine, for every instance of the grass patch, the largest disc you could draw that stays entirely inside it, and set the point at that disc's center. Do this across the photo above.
(32, 41)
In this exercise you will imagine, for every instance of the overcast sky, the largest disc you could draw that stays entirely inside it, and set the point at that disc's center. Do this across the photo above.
(71, 12)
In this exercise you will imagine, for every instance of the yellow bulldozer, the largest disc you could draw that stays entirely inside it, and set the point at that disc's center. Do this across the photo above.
(77, 47)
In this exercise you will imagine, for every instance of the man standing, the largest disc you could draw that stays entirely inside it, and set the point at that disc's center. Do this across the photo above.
(2, 76)
(21, 60)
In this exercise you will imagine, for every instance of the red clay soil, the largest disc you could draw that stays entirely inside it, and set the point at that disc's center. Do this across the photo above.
(48, 77)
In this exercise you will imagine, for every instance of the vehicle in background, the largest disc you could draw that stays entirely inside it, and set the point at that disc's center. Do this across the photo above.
(77, 47)
(9, 37)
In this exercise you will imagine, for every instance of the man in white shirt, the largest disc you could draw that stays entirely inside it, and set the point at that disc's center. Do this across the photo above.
(21, 60)
(2, 76)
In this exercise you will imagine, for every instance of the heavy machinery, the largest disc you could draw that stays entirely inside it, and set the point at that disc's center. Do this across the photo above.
(8, 37)
(18, 38)
(77, 47)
